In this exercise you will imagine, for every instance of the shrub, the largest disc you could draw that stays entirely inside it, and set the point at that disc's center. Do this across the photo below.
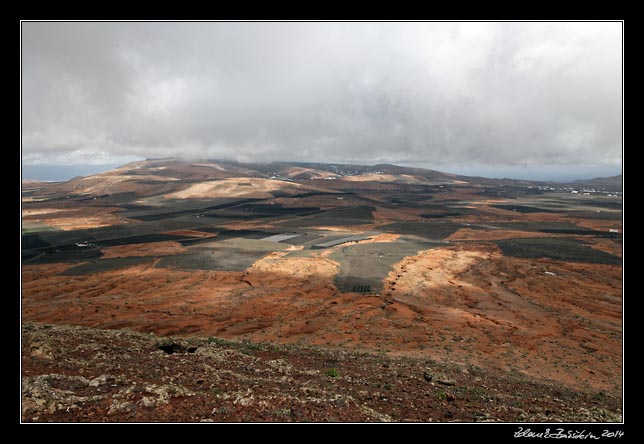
(332, 372)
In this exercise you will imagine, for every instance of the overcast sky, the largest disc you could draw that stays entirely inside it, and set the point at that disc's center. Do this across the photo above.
(439, 95)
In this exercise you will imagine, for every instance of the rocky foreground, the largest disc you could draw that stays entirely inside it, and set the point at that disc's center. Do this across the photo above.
(79, 374)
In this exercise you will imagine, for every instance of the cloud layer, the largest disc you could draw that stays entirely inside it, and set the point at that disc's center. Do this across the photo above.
(426, 93)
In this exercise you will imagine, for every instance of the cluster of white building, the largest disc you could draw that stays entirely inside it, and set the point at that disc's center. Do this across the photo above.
(583, 191)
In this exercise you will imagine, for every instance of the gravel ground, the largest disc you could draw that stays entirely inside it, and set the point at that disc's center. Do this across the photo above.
(79, 374)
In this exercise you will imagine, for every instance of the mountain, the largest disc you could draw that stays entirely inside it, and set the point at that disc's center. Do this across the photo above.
(206, 179)
(612, 183)
(176, 178)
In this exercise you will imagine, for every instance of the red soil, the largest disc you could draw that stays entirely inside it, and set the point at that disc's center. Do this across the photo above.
(466, 304)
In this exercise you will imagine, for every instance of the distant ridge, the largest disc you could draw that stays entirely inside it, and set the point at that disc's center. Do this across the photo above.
(167, 175)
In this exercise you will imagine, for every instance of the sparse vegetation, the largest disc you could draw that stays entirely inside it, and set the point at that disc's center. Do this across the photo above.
(479, 392)
(332, 372)
(224, 383)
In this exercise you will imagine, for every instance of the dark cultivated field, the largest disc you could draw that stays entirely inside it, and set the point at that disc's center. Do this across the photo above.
(428, 230)
(440, 215)
(232, 254)
(405, 199)
(33, 241)
(173, 208)
(557, 228)
(127, 234)
(198, 240)
(276, 209)
(26, 255)
(61, 238)
(246, 234)
(69, 253)
(363, 267)
(323, 221)
(153, 216)
(137, 207)
(234, 215)
(509, 191)
(145, 238)
(595, 215)
(350, 216)
(580, 232)
(116, 199)
(610, 204)
(303, 239)
(523, 209)
(220, 260)
(101, 265)
(545, 227)
(561, 249)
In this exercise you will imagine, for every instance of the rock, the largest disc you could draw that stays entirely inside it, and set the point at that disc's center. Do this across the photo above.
(446, 381)
(42, 350)
(428, 376)
(119, 406)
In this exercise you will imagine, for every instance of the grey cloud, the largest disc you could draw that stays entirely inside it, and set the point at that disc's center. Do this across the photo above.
(425, 93)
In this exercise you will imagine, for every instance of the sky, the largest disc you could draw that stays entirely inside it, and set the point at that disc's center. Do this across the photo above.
(497, 99)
